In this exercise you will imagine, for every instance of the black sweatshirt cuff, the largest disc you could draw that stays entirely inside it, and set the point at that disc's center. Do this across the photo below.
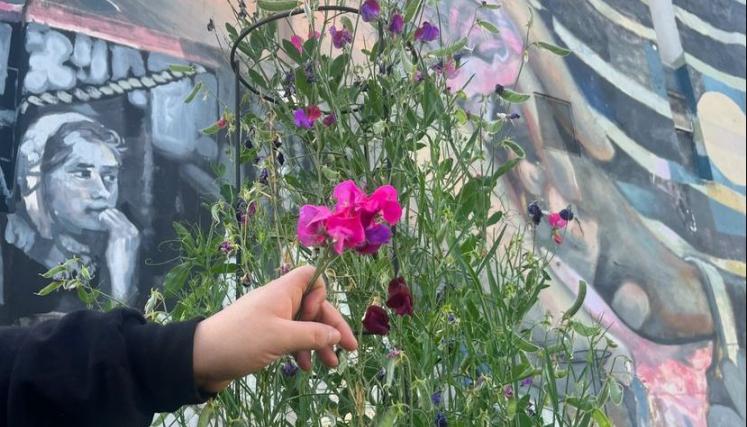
(161, 355)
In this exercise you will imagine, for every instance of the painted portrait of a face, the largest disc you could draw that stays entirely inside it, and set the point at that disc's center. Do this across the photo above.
(80, 168)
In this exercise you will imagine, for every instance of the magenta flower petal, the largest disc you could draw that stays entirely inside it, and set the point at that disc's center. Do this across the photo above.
(311, 225)
(376, 320)
(384, 200)
(297, 42)
(397, 23)
(556, 221)
(370, 10)
(346, 231)
(348, 195)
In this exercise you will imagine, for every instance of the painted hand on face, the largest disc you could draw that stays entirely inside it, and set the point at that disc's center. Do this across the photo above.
(121, 251)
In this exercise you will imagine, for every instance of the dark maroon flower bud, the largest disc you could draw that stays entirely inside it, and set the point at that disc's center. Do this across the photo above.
(226, 247)
(400, 298)
(376, 320)
(567, 214)
(535, 212)
(514, 116)
(499, 89)
(264, 177)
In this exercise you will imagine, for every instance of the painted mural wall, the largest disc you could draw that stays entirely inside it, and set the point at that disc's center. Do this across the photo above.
(652, 156)
(98, 150)
(100, 154)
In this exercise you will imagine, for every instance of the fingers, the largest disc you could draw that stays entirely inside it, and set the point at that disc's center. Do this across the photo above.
(295, 284)
(304, 336)
(332, 317)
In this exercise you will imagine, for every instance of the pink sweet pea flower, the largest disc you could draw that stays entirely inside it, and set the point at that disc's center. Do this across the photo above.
(330, 120)
(314, 35)
(384, 200)
(297, 42)
(348, 195)
(556, 221)
(346, 231)
(311, 223)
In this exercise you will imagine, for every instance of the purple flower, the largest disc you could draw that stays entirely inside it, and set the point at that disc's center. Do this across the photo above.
(226, 247)
(508, 392)
(340, 38)
(394, 353)
(436, 398)
(370, 10)
(289, 369)
(441, 420)
(514, 116)
(245, 211)
(397, 23)
(427, 32)
(302, 120)
(526, 382)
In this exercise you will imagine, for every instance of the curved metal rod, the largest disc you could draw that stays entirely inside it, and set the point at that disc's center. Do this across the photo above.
(272, 18)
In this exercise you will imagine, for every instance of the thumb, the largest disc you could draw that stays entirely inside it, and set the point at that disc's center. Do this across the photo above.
(301, 336)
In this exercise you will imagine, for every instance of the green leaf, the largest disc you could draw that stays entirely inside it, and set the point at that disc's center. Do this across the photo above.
(525, 345)
(583, 330)
(616, 391)
(54, 271)
(600, 418)
(389, 419)
(413, 6)
(514, 97)
(347, 24)
(206, 415)
(302, 85)
(49, 289)
(291, 51)
(488, 26)
(494, 219)
(277, 5)
(195, 90)
(579, 301)
(560, 51)
(211, 130)
(179, 68)
(449, 50)
(175, 279)
(516, 148)
(579, 403)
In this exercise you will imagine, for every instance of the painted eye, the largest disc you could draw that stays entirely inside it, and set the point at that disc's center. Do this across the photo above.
(84, 174)
(110, 178)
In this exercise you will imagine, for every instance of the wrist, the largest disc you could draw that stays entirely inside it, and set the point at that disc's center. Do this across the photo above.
(202, 361)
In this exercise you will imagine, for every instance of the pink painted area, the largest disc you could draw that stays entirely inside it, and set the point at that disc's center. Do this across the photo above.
(112, 30)
(674, 376)
(7, 7)
(662, 169)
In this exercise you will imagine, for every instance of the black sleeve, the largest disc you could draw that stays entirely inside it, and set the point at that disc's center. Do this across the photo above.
(90, 368)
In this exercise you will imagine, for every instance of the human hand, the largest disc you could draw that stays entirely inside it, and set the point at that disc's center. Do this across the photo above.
(259, 328)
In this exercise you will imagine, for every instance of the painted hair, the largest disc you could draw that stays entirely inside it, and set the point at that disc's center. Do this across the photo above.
(58, 148)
